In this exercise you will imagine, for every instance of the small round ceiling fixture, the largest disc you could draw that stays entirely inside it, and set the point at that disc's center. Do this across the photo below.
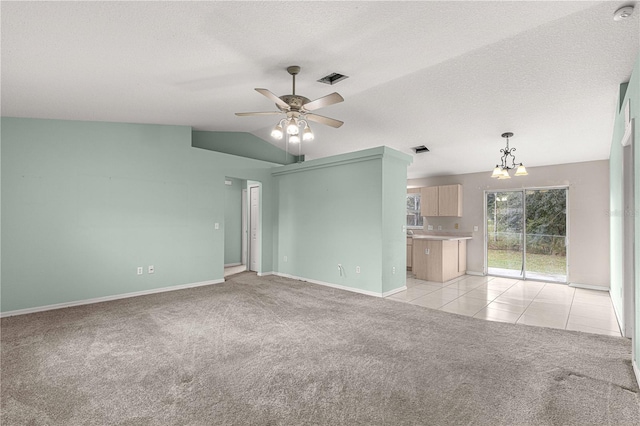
(623, 13)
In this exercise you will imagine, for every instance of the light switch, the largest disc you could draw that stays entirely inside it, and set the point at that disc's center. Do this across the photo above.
(475, 228)
(429, 227)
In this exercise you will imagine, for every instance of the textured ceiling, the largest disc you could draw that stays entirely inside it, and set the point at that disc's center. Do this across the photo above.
(450, 75)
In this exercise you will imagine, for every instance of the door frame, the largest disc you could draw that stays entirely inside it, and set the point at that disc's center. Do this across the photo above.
(258, 186)
(628, 238)
(524, 230)
(245, 230)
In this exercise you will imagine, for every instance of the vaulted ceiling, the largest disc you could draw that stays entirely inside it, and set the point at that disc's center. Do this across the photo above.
(450, 75)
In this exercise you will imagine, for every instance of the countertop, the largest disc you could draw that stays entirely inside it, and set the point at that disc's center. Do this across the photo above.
(439, 237)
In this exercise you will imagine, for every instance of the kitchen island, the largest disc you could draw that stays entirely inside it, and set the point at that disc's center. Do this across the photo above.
(439, 258)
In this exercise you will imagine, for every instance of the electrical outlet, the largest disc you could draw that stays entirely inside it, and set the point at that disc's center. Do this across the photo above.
(285, 258)
(151, 269)
(475, 228)
(217, 225)
(455, 226)
(357, 269)
(429, 227)
(393, 270)
(426, 251)
(140, 270)
(439, 227)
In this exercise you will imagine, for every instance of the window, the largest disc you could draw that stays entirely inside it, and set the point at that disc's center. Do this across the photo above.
(414, 219)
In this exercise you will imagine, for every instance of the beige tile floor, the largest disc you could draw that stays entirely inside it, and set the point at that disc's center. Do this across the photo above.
(519, 302)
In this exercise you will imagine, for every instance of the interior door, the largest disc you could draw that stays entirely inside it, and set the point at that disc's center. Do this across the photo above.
(504, 233)
(254, 231)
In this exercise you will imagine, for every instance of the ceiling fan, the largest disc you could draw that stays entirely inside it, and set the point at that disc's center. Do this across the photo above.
(297, 110)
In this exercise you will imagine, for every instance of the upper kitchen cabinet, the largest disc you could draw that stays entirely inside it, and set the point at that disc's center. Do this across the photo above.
(429, 201)
(450, 200)
(444, 200)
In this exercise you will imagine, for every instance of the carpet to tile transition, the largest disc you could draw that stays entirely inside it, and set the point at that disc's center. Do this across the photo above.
(274, 351)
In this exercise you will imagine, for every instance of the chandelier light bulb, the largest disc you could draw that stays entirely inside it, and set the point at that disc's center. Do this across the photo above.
(307, 134)
(292, 127)
(521, 170)
(496, 172)
(294, 139)
(277, 133)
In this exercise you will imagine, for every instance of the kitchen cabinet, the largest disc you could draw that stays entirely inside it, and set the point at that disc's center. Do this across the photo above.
(450, 200)
(443, 200)
(462, 257)
(409, 252)
(429, 201)
(439, 260)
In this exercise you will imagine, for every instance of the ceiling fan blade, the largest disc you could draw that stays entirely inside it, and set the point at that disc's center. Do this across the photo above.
(324, 120)
(273, 97)
(243, 114)
(324, 101)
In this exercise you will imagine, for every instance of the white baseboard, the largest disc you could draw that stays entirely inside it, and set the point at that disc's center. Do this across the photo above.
(476, 273)
(226, 265)
(338, 286)
(589, 286)
(264, 274)
(106, 298)
(394, 291)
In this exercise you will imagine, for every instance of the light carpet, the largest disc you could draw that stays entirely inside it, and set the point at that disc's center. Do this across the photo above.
(274, 351)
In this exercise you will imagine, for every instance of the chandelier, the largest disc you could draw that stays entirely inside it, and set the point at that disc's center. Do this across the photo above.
(508, 162)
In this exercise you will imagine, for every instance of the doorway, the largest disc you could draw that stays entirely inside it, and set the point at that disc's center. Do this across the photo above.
(526, 233)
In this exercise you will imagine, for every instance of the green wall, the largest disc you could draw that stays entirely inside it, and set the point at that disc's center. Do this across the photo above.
(394, 176)
(233, 221)
(241, 144)
(332, 211)
(85, 203)
(629, 93)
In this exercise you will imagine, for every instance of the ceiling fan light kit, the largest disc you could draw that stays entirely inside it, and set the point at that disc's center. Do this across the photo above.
(508, 162)
(297, 110)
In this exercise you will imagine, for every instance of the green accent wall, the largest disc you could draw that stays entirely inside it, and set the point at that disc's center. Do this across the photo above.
(85, 203)
(394, 219)
(242, 144)
(628, 92)
(233, 221)
(333, 211)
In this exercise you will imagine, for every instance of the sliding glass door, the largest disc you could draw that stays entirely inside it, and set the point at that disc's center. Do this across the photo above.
(526, 233)
(505, 239)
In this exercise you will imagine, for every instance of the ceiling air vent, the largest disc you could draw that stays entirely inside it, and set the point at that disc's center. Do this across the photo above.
(332, 78)
(420, 149)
